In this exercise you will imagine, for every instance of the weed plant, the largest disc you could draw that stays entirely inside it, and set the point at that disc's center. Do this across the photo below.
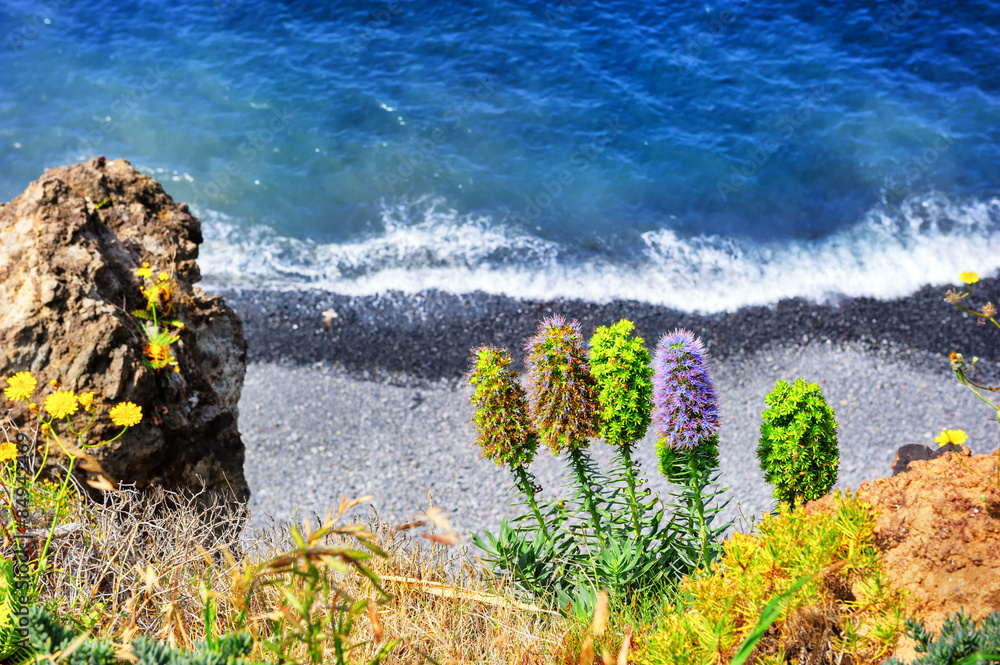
(842, 603)
(961, 641)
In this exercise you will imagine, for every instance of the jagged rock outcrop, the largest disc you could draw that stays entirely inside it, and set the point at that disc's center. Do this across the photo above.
(938, 529)
(69, 248)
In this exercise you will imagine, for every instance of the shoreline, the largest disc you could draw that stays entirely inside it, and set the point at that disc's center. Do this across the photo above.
(419, 339)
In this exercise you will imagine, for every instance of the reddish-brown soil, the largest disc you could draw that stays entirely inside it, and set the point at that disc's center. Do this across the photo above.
(938, 529)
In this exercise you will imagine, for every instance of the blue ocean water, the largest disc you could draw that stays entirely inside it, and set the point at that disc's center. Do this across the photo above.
(699, 155)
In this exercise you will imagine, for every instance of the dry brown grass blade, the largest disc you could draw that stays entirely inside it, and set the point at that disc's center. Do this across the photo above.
(448, 591)
(103, 484)
(446, 539)
(346, 505)
(376, 622)
(600, 614)
(626, 646)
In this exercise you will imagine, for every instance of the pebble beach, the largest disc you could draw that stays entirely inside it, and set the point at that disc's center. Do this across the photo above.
(375, 404)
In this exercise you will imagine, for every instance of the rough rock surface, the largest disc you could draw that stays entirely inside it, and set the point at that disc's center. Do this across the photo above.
(69, 248)
(938, 528)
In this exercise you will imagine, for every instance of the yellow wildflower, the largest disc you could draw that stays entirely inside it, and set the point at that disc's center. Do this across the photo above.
(145, 264)
(8, 451)
(955, 436)
(61, 404)
(33, 408)
(126, 414)
(163, 276)
(54, 383)
(46, 430)
(87, 400)
(968, 277)
(145, 273)
(20, 386)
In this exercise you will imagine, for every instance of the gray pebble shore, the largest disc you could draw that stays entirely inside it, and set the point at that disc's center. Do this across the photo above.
(313, 434)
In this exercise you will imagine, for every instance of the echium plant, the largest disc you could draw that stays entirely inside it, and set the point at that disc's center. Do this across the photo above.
(505, 433)
(620, 365)
(536, 555)
(798, 442)
(562, 401)
(686, 416)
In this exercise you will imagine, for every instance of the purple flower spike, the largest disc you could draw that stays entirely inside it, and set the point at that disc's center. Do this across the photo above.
(685, 410)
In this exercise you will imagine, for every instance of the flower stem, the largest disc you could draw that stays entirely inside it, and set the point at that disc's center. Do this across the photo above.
(524, 483)
(576, 457)
(626, 450)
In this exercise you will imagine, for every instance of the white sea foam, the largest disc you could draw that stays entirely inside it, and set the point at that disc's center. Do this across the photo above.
(888, 253)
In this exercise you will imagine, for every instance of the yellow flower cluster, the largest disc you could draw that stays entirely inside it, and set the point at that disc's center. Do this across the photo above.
(62, 404)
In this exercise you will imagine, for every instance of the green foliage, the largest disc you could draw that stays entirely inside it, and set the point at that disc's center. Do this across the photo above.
(320, 613)
(694, 507)
(611, 534)
(505, 432)
(47, 636)
(798, 442)
(813, 559)
(620, 365)
(961, 642)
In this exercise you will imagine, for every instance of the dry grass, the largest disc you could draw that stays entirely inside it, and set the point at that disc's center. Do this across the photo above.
(144, 563)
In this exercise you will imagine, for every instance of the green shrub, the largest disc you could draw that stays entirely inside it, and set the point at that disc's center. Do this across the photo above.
(47, 636)
(844, 603)
(798, 442)
(961, 641)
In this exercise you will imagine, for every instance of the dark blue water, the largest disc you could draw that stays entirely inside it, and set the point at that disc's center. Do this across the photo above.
(698, 155)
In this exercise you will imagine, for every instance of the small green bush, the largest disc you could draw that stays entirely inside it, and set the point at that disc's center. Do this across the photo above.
(46, 636)
(961, 641)
(798, 442)
(844, 602)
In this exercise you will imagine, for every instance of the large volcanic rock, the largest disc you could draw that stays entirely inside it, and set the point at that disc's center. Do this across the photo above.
(67, 285)
(938, 528)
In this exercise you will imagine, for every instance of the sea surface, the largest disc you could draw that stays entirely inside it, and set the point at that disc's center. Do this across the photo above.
(698, 155)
